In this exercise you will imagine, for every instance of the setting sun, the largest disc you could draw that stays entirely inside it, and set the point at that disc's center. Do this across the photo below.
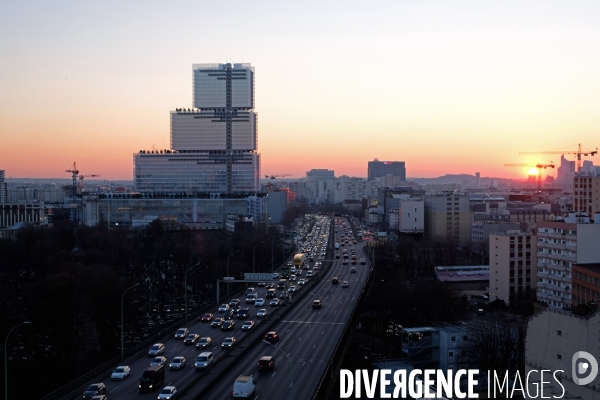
(533, 171)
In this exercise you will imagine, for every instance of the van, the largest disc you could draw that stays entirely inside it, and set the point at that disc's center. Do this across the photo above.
(152, 378)
(203, 360)
(250, 290)
(266, 363)
(244, 386)
(281, 284)
(251, 298)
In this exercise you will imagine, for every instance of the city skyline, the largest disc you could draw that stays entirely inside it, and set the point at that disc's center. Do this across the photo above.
(446, 88)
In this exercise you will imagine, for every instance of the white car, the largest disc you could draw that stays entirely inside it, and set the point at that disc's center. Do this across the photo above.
(292, 289)
(259, 302)
(309, 274)
(224, 307)
(262, 313)
(301, 282)
(156, 349)
(167, 393)
(121, 372)
(292, 278)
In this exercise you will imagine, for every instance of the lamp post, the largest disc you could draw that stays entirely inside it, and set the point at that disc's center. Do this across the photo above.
(253, 270)
(122, 297)
(6, 358)
(291, 363)
(232, 253)
(185, 290)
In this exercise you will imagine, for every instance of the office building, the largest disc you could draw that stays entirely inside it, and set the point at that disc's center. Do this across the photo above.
(513, 266)
(378, 168)
(2, 187)
(572, 239)
(313, 177)
(213, 146)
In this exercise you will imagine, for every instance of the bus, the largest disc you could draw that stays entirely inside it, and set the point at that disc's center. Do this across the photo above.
(299, 260)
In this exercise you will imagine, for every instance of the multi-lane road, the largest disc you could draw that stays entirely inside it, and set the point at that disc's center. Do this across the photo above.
(307, 339)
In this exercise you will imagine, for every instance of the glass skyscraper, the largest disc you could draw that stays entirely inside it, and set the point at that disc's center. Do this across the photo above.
(213, 146)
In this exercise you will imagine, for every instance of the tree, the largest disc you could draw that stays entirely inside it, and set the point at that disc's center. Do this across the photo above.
(495, 345)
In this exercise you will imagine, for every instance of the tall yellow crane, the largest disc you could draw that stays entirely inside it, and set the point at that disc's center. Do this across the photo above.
(577, 153)
(539, 170)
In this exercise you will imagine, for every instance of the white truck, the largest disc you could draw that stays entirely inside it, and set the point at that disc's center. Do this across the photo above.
(244, 386)
(337, 245)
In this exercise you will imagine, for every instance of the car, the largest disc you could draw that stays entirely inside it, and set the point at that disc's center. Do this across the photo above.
(203, 342)
(261, 284)
(337, 255)
(335, 280)
(99, 397)
(228, 325)
(156, 349)
(283, 295)
(270, 285)
(259, 302)
(227, 315)
(121, 372)
(266, 363)
(271, 293)
(235, 302)
(298, 272)
(203, 360)
(315, 268)
(353, 262)
(262, 313)
(223, 308)
(217, 322)
(251, 298)
(274, 275)
(247, 325)
(160, 360)
(307, 266)
(353, 270)
(301, 282)
(292, 278)
(94, 389)
(274, 303)
(168, 393)
(181, 333)
(177, 363)
(317, 304)
(228, 343)
(309, 274)
(345, 284)
(243, 313)
(272, 337)
(345, 262)
(292, 289)
(207, 317)
(191, 338)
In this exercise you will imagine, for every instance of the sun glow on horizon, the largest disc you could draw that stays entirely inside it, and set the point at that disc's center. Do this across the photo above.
(532, 171)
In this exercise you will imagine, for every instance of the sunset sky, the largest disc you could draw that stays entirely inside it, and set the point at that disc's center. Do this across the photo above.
(446, 86)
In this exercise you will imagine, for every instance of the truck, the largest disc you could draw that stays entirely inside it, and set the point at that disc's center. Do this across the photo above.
(285, 272)
(244, 386)
(337, 245)
(299, 260)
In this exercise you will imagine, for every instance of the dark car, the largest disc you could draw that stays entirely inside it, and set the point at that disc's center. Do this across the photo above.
(203, 342)
(228, 325)
(243, 313)
(317, 304)
(353, 270)
(335, 280)
(207, 317)
(217, 322)
(228, 343)
(266, 363)
(227, 315)
(271, 294)
(191, 338)
(272, 337)
(94, 389)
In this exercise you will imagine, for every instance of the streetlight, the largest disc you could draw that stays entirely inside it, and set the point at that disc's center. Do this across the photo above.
(253, 255)
(6, 358)
(185, 289)
(122, 297)
(291, 363)
(232, 253)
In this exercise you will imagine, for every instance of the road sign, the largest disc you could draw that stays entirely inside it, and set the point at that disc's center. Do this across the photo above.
(258, 276)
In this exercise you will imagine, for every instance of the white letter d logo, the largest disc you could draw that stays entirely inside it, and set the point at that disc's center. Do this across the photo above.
(583, 368)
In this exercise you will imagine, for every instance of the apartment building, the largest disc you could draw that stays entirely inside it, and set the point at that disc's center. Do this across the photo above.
(568, 240)
(586, 193)
(513, 266)
(448, 217)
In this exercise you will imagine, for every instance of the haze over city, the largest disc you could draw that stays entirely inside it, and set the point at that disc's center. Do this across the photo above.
(447, 87)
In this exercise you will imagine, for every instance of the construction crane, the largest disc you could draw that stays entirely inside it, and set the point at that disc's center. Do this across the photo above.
(75, 174)
(539, 170)
(82, 177)
(271, 177)
(577, 153)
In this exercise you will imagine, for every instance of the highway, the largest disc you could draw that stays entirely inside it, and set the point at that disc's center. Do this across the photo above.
(307, 337)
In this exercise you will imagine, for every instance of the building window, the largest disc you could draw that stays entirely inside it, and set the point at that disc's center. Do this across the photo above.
(450, 354)
(559, 356)
(559, 333)
(453, 338)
